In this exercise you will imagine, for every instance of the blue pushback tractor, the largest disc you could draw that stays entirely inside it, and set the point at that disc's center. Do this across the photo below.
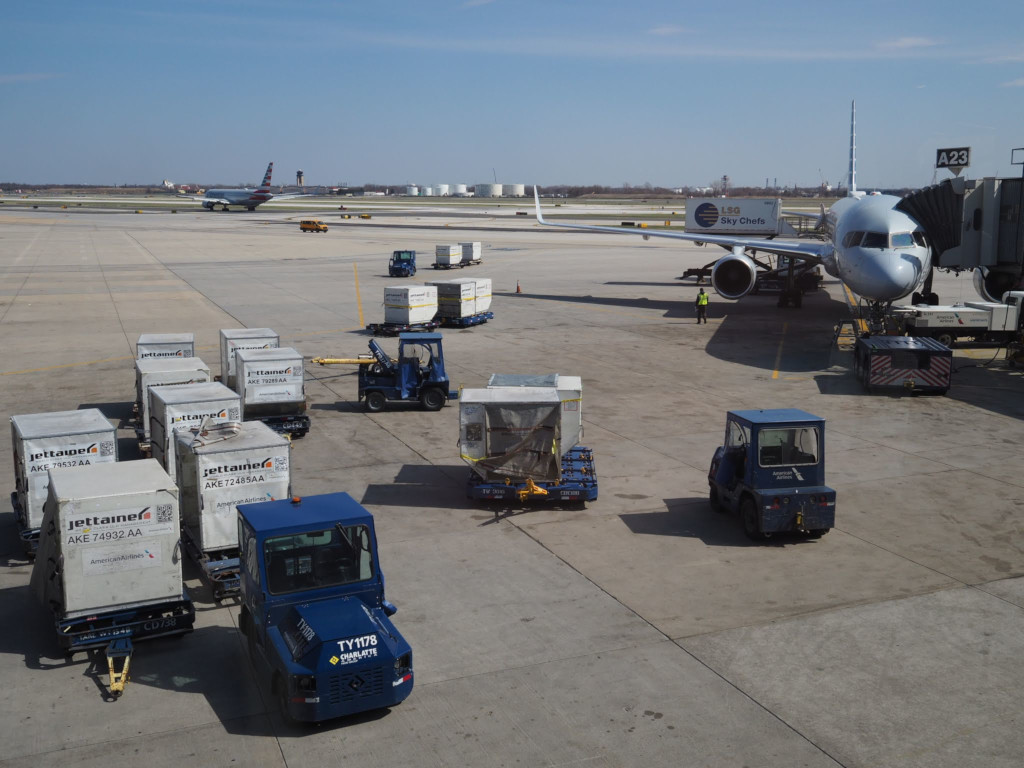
(313, 608)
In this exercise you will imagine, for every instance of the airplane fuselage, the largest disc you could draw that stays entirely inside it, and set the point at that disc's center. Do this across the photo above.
(878, 252)
(247, 197)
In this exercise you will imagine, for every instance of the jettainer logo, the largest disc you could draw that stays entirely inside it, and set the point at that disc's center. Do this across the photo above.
(221, 414)
(65, 452)
(89, 521)
(162, 353)
(245, 466)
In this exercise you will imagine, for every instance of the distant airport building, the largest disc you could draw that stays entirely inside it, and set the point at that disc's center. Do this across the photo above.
(488, 190)
(442, 190)
(459, 189)
(412, 190)
(515, 190)
(300, 179)
(428, 192)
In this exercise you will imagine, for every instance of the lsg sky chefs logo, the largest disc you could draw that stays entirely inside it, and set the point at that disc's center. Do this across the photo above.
(65, 453)
(706, 215)
(246, 466)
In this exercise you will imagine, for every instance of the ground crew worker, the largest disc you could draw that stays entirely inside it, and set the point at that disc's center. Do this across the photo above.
(702, 307)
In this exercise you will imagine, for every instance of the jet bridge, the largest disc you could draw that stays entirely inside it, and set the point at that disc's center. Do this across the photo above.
(974, 225)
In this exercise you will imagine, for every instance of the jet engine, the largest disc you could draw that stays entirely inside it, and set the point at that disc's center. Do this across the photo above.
(733, 276)
(992, 284)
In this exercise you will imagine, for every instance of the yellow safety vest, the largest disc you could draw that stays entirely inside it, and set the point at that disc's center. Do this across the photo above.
(702, 299)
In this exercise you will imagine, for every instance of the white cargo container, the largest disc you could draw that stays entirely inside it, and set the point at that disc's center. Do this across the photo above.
(448, 253)
(45, 441)
(270, 381)
(512, 433)
(232, 339)
(456, 297)
(483, 293)
(183, 406)
(109, 539)
(164, 345)
(570, 392)
(215, 476)
(410, 304)
(163, 372)
(470, 252)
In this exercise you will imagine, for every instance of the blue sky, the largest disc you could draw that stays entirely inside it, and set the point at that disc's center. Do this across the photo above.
(577, 92)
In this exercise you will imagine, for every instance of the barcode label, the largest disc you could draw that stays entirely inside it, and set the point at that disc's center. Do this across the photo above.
(164, 513)
(107, 448)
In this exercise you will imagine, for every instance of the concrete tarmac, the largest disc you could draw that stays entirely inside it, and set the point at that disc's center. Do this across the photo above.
(644, 630)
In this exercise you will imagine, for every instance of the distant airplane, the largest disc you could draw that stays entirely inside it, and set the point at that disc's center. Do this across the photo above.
(880, 253)
(249, 198)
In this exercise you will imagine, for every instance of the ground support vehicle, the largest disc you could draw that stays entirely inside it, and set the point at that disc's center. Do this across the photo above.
(314, 614)
(395, 329)
(402, 264)
(578, 483)
(987, 322)
(295, 425)
(220, 569)
(771, 471)
(467, 322)
(903, 363)
(417, 374)
(312, 225)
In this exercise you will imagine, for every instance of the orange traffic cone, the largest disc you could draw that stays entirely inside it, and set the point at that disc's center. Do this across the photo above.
(518, 289)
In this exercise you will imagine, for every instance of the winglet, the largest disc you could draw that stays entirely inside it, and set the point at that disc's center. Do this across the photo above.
(536, 200)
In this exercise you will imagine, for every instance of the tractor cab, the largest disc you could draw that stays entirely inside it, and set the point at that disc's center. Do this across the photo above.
(402, 264)
(417, 374)
(771, 469)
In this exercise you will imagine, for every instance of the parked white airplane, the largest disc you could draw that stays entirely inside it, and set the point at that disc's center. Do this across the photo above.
(249, 198)
(880, 253)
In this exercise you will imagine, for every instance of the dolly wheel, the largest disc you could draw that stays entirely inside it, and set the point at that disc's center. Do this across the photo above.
(432, 399)
(375, 402)
(748, 511)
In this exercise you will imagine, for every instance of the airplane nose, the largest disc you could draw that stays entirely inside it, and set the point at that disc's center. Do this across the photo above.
(890, 275)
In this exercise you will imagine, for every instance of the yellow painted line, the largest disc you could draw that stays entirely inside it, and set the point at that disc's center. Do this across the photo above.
(851, 299)
(778, 354)
(359, 299)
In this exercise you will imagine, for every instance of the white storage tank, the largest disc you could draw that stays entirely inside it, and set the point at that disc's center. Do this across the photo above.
(410, 304)
(232, 339)
(154, 345)
(442, 190)
(183, 406)
(270, 381)
(412, 190)
(455, 298)
(459, 189)
(511, 433)
(45, 441)
(515, 190)
(113, 529)
(216, 473)
(470, 252)
(570, 392)
(428, 192)
(163, 372)
(488, 190)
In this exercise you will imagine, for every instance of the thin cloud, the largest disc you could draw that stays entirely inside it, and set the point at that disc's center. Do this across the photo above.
(666, 30)
(906, 43)
(1018, 83)
(27, 77)
(475, 3)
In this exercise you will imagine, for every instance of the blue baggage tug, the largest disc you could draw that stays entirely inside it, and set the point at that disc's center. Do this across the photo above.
(313, 608)
(772, 471)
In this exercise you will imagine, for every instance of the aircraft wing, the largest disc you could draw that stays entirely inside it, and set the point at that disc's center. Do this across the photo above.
(811, 252)
(202, 199)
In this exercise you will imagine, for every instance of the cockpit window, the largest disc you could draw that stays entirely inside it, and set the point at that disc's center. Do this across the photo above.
(902, 240)
(852, 239)
(875, 240)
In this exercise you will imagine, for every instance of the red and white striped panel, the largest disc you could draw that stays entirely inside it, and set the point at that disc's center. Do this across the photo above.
(882, 373)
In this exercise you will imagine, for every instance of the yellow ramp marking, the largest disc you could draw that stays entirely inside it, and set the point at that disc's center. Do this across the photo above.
(778, 354)
(359, 299)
